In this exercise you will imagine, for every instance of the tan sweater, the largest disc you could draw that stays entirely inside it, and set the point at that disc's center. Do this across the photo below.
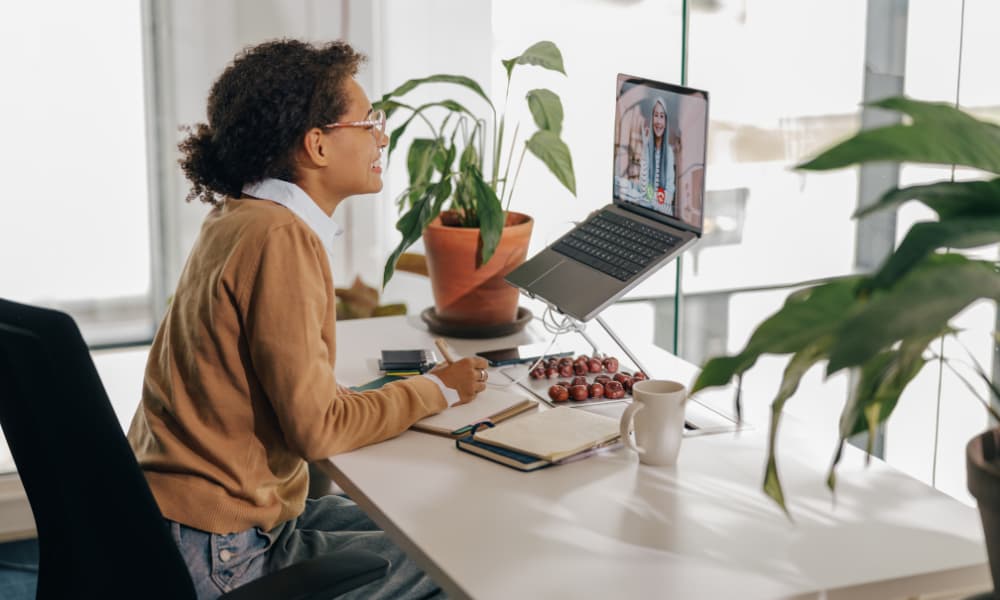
(239, 388)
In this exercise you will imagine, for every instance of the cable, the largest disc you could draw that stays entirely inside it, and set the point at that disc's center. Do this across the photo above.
(556, 328)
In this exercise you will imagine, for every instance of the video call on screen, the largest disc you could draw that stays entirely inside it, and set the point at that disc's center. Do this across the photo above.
(659, 157)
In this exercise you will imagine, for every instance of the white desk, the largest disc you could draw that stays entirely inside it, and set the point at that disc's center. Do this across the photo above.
(607, 527)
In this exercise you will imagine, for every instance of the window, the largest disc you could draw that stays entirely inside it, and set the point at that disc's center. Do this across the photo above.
(74, 231)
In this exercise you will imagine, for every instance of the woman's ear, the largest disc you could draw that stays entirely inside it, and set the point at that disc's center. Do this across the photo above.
(315, 148)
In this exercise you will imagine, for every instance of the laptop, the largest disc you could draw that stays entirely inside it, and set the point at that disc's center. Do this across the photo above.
(657, 208)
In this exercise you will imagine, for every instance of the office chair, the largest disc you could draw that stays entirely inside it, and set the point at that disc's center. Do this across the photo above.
(100, 532)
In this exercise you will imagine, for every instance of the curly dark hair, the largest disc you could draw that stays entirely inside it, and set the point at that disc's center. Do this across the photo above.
(258, 110)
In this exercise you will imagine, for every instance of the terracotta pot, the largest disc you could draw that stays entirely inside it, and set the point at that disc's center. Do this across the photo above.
(983, 478)
(466, 293)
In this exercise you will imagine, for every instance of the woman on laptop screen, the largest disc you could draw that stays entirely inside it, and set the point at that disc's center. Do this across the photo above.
(649, 134)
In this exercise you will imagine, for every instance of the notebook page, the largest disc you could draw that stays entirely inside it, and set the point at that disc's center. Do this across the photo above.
(552, 434)
(488, 403)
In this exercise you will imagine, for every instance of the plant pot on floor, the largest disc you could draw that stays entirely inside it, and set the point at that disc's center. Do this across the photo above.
(982, 462)
(467, 294)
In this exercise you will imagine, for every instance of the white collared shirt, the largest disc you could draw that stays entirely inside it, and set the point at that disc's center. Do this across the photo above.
(298, 201)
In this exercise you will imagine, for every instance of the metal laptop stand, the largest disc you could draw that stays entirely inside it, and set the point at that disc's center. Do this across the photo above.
(583, 332)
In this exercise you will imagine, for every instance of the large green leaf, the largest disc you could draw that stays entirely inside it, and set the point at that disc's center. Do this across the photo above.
(555, 154)
(939, 134)
(880, 383)
(411, 225)
(926, 237)
(921, 303)
(721, 370)
(800, 362)
(807, 315)
(461, 80)
(547, 109)
(466, 195)
(491, 218)
(947, 198)
(442, 192)
(420, 160)
(542, 54)
(444, 158)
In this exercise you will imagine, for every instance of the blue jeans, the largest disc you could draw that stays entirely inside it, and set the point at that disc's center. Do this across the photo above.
(18, 570)
(219, 563)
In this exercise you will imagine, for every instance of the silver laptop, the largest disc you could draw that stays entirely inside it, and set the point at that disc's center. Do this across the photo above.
(657, 210)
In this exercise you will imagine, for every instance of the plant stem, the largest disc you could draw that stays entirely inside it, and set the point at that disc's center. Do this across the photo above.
(510, 156)
(498, 135)
(516, 173)
(985, 403)
(426, 120)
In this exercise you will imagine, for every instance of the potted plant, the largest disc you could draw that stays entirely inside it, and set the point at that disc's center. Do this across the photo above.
(463, 161)
(883, 324)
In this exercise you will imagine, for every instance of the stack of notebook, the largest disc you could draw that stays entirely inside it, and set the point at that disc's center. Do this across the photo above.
(547, 438)
(404, 363)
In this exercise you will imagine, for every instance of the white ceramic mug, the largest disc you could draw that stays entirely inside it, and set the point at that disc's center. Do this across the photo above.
(658, 412)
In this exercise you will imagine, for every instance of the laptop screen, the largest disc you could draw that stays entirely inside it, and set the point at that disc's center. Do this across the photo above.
(660, 142)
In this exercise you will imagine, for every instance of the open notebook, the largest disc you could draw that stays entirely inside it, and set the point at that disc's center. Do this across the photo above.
(491, 406)
(553, 434)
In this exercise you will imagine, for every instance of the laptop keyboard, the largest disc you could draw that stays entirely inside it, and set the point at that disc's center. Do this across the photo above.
(615, 245)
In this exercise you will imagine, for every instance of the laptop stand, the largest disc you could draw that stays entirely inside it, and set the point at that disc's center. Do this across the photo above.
(583, 332)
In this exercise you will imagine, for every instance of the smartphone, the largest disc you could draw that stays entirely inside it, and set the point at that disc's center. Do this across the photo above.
(520, 354)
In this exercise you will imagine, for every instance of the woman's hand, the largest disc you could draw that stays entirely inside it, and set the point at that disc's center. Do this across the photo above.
(466, 376)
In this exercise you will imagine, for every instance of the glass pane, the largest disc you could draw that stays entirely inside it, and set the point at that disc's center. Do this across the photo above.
(75, 232)
(767, 225)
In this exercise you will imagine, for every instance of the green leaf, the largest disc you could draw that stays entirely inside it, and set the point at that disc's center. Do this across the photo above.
(491, 218)
(939, 134)
(947, 198)
(721, 370)
(420, 160)
(463, 81)
(920, 303)
(442, 192)
(555, 154)
(547, 110)
(807, 315)
(542, 54)
(411, 225)
(799, 364)
(924, 238)
(880, 383)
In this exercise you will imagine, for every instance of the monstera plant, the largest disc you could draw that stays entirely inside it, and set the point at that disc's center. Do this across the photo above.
(882, 324)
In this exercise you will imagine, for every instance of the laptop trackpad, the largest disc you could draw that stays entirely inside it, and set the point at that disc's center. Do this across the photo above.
(576, 289)
(539, 265)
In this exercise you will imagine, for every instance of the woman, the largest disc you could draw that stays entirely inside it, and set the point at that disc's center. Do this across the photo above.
(660, 176)
(239, 390)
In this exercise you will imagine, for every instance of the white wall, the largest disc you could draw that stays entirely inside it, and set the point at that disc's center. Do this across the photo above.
(195, 41)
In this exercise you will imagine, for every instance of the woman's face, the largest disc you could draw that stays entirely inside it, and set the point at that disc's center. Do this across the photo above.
(356, 152)
(659, 120)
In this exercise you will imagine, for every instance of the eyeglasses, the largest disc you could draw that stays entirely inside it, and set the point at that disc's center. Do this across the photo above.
(376, 123)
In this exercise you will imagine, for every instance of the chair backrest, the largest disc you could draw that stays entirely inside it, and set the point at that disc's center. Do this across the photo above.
(100, 532)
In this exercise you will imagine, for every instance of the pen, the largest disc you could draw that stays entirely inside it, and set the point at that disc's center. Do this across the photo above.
(445, 350)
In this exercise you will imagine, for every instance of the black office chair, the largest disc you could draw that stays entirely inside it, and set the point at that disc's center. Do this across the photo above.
(100, 532)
